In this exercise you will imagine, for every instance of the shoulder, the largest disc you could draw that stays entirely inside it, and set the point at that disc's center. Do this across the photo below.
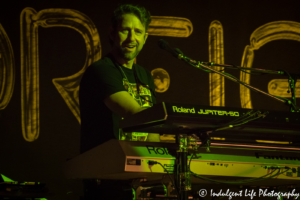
(101, 68)
(102, 64)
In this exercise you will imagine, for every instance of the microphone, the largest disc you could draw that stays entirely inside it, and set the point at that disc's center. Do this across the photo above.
(175, 52)
(164, 45)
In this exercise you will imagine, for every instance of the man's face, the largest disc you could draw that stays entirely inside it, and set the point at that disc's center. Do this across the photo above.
(129, 37)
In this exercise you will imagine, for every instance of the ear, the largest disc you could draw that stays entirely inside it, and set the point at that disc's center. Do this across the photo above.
(146, 36)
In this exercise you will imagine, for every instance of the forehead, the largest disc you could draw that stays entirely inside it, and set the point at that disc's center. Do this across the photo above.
(130, 20)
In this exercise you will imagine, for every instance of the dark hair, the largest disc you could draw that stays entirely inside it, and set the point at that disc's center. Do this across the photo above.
(139, 11)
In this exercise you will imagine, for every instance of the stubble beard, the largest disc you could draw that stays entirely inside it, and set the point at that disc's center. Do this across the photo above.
(128, 55)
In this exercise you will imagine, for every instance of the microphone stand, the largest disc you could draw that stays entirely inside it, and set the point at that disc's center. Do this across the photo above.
(292, 78)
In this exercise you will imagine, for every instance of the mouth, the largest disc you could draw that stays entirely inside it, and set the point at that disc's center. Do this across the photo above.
(130, 47)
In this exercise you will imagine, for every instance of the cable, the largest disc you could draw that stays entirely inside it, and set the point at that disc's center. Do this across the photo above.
(245, 119)
(151, 162)
(255, 118)
(249, 116)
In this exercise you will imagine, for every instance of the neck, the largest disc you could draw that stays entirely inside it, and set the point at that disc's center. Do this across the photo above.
(125, 63)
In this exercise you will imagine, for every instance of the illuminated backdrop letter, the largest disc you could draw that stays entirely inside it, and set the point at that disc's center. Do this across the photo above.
(280, 87)
(216, 55)
(7, 69)
(68, 87)
(278, 30)
(172, 27)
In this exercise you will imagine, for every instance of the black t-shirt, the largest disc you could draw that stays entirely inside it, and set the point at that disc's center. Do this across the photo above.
(102, 79)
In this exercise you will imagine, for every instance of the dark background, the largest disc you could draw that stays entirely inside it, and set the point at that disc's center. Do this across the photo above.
(62, 53)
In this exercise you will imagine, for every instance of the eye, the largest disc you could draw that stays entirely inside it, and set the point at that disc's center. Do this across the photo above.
(124, 31)
(138, 32)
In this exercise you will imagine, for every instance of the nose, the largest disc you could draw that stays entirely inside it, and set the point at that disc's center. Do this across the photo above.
(131, 36)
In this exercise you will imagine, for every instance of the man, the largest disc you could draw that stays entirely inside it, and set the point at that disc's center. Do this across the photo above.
(108, 90)
(115, 87)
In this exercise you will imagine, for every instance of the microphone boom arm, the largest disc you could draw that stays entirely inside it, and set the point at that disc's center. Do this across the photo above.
(202, 66)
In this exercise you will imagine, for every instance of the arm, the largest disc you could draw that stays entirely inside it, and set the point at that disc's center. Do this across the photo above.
(122, 104)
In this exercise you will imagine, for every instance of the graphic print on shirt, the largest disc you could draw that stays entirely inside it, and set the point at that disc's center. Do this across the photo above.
(144, 98)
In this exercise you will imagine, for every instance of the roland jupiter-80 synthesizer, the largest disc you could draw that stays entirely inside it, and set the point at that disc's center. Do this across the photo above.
(236, 124)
